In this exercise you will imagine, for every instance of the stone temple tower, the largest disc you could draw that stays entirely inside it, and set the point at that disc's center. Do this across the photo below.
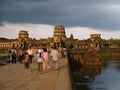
(95, 41)
(23, 40)
(59, 35)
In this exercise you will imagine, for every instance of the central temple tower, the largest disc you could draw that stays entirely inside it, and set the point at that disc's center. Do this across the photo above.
(23, 40)
(59, 35)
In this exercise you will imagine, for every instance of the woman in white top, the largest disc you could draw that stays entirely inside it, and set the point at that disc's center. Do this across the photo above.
(40, 62)
(54, 55)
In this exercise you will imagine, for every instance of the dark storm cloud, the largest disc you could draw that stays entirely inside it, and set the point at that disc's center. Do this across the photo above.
(99, 14)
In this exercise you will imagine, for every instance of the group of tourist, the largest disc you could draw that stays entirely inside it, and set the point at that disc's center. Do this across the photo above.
(12, 55)
(42, 56)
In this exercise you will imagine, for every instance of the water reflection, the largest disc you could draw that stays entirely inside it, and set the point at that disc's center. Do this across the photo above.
(93, 77)
(85, 76)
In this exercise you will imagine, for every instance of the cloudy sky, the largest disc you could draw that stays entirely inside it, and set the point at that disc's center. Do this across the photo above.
(80, 18)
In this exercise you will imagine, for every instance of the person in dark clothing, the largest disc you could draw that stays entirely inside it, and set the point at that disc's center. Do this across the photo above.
(13, 57)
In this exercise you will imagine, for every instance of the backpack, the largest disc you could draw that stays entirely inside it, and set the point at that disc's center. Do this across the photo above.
(40, 54)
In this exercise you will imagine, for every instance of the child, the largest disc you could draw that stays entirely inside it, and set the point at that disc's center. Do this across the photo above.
(40, 62)
(26, 62)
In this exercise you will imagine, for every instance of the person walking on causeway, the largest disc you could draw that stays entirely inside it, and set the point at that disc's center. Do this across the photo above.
(40, 61)
(26, 62)
(54, 55)
(46, 58)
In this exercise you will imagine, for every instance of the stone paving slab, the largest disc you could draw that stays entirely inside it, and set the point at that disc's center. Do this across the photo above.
(14, 77)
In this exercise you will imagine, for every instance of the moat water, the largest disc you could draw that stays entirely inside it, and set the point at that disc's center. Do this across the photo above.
(106, 77)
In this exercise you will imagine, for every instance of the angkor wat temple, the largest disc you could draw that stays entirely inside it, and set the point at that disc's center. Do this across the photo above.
(59, 39)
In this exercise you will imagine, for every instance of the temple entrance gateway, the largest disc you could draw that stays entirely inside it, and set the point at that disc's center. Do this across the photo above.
(23, 40)
(59, 36)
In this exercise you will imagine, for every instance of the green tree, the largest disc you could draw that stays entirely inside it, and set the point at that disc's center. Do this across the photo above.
(78, 42)
(68, 44)
(117, 41)
(49, 40)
